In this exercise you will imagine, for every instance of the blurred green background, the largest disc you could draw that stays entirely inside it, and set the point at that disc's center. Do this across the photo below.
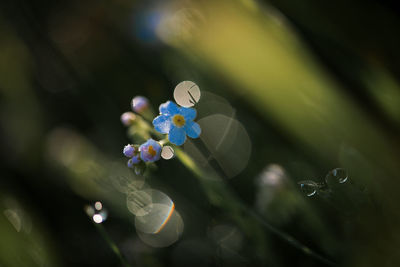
(315, 85)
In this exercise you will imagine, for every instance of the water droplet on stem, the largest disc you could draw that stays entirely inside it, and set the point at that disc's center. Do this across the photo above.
(336, 176)
(308, 187)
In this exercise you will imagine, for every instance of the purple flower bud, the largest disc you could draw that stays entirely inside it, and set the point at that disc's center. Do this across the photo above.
(139, 104)
(129, 151)
(127, 118)
(133, 161)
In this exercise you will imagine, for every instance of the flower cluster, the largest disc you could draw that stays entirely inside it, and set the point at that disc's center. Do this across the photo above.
(150, 151)
(177, 122)
(173, 120)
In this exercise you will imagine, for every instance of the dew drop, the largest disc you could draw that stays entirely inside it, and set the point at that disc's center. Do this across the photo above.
(97, 218)
(187, 94)
(98, 205)
(167, 152)
(96, 212)
(308, 187)
(336, 176)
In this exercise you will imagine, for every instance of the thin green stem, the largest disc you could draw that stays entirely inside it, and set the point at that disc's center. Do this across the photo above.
(190, 164)
(223, 190)
(289, 239)
(111, 244)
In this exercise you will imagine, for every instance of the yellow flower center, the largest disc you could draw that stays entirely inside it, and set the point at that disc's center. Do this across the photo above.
(151, 151)
(178, 120)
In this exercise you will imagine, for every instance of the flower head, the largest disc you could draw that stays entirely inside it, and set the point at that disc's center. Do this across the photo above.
(150, 151)
(127, 118)
(177, 122)
(129, 151)
(139, 104)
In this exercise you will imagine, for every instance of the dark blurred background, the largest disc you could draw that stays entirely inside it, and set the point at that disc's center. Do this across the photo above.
(315, 85)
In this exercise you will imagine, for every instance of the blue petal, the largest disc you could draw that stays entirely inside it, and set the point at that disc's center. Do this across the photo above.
(169, 108)
(192, 129)
(136, 159)
(188, 113)
(162, 124)
(177, 136)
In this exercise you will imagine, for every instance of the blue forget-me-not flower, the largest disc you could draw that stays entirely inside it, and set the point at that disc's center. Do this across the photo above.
(150, 151)
(177, 122)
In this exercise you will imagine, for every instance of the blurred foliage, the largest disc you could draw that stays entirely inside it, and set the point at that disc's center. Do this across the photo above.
(315, 84)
